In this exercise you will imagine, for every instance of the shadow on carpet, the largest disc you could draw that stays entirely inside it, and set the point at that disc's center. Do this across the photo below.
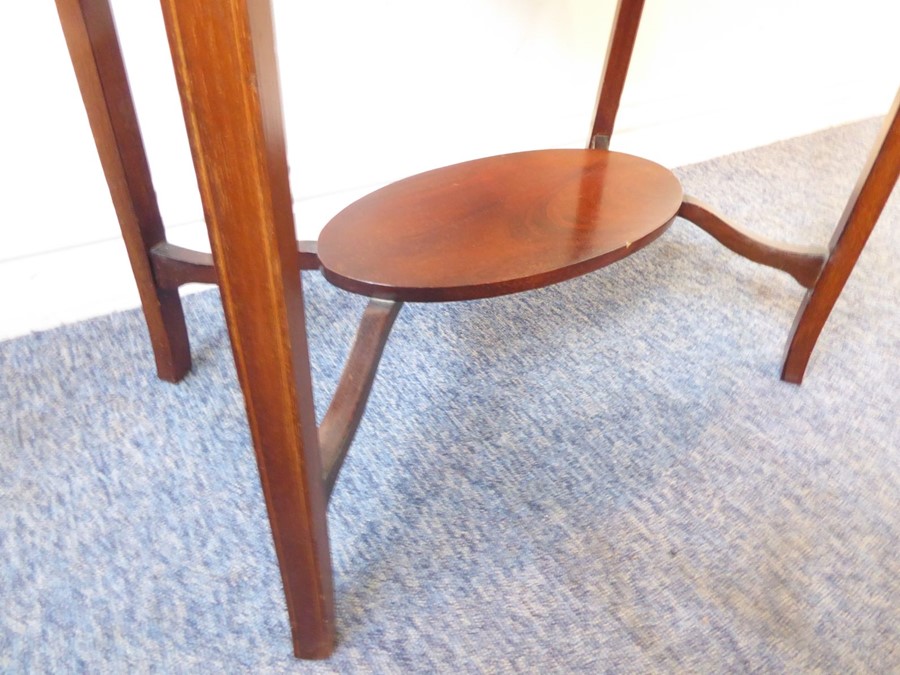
(604, 475)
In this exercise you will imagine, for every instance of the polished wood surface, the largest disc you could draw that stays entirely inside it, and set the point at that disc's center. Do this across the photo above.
(801, 262)
(348, 404)
(487, 227)
(498, 225)
(618, 57)
(174, 266)
(875, 184)
(97, 59)
(225, 65)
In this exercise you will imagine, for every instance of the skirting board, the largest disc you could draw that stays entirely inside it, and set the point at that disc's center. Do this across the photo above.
(62, 286)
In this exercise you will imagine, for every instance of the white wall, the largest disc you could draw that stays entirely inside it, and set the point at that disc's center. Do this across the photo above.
(377, 90)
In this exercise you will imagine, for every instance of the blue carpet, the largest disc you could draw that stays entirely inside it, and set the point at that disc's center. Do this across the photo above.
(605, 475)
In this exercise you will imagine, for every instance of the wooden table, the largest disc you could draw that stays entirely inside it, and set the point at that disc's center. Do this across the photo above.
(412, 241)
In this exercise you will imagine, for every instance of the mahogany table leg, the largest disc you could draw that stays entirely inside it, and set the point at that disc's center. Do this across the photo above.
(94, 48)
(618, 57)
(872, 190)
(225, 64)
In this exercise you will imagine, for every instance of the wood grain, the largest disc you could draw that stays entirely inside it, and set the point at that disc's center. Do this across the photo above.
(618, 57)
(498, 225)
(174, 266)
(225, 65)
(97, 59)
(874, 186)
(801, 262)
(349, 401)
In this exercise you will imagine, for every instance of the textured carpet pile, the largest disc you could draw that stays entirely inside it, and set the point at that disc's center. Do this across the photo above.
(604, 475)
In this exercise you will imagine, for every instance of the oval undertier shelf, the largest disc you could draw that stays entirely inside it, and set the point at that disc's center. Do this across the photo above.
(498, 225)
